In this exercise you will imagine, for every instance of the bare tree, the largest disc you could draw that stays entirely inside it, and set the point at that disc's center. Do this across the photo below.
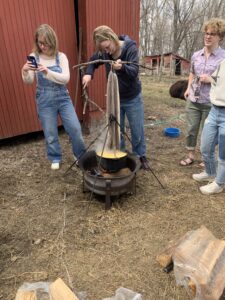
(151, 26)
(175, 25)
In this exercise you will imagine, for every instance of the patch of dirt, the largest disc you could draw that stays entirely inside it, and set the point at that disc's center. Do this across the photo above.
(49, 228)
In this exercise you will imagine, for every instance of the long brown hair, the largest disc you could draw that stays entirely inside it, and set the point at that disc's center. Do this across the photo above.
(45, 31)
(104, 33)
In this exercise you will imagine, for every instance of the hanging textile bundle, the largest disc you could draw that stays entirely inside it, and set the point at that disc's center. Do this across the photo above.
(113, 112)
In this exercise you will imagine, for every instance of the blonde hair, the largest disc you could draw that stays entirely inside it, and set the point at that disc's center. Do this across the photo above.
(50, 37)
(217, 25)
(104, 33)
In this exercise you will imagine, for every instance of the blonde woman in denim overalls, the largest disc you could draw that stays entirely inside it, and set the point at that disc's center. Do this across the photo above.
(52, 96)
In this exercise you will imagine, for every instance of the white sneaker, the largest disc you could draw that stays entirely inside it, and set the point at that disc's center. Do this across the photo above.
(55, 166)
(203, 176)
(212, 188)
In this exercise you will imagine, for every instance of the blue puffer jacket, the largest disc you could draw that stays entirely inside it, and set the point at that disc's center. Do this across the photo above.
(129, 83)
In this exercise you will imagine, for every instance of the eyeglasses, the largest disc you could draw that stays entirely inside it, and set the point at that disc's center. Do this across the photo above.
(42, 44)
(210, 34)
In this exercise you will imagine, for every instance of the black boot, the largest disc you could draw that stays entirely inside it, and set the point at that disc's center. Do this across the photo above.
(144, 163)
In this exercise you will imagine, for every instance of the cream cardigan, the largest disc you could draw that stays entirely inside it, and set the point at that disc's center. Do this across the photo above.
(60, 78)
(217, 92)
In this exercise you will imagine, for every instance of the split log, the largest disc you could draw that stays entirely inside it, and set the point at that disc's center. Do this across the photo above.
(192, 288)
(199, 263)
(193, 246)
(186, 241)
(210, 284)
(213, 288)
(25, 295)
(165, 257)
(209, 259)
(201, 251)
(201, 258)
(60, 291)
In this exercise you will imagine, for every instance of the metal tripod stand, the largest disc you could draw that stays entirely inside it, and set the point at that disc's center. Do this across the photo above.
(111, 119)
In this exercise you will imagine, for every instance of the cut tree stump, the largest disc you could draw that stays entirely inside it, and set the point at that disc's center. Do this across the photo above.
(60, 291)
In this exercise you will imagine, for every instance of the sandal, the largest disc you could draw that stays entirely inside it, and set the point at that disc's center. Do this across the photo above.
(186, 162)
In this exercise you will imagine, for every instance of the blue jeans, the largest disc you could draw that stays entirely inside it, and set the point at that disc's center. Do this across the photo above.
(52, 102)
(134, 111)
(214, 133)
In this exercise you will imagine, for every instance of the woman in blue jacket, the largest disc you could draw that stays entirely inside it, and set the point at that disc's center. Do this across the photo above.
(109, 46)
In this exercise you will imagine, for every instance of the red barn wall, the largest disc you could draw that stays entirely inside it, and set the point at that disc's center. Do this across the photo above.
(122, 16)
(18, 22)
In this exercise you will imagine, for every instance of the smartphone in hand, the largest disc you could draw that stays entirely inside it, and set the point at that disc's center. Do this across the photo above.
(32, 60)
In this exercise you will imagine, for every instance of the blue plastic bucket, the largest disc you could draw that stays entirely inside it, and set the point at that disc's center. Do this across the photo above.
(172, 132)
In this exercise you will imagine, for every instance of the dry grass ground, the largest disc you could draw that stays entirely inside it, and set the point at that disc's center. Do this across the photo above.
(49, 228)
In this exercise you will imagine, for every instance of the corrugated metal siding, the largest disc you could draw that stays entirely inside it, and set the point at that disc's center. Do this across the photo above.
(122, 16)
(18, 22)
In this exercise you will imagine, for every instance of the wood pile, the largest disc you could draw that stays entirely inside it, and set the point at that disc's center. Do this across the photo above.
(58, 290)
(198, 259)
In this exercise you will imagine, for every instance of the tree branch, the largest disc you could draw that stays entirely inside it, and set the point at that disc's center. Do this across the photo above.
(110, 62)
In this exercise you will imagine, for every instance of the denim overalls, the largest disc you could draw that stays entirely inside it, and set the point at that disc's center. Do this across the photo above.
(52, 100)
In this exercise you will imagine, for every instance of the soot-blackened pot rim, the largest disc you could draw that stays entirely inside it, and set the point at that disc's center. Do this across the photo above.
(112, 165)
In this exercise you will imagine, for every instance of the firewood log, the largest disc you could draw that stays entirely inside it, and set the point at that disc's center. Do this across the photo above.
(165, 257)
(60, 291)
(192, 288)
(199, 260)
(25, 295)
(215, 284)
(202, 258)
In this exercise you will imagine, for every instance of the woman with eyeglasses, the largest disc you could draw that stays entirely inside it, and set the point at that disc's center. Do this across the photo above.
(213, 134)
(203, 63)
(52, 96)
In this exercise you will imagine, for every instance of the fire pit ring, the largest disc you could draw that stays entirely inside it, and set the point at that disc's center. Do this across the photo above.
(109, 184)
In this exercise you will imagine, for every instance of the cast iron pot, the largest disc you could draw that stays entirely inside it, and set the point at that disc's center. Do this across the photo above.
(112, 165)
